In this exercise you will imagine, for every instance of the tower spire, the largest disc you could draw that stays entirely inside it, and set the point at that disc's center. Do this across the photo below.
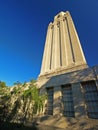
(62, 50)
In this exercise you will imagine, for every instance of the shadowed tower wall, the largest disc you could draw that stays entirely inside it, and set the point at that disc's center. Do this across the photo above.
(62, 50)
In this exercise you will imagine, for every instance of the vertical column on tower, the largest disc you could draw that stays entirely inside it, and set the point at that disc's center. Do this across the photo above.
(55, 48)
(76, 46)
(47, 51)
(67, 43)
(49, 48)
(63, 44)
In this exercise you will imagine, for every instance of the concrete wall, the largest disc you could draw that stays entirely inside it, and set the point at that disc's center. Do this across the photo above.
(73, 78)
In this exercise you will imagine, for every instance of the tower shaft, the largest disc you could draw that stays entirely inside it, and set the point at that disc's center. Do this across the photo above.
(62, 48)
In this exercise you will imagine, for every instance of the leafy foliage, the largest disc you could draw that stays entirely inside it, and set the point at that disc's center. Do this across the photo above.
(22, 101)
(2, 84)
(4, 90)
(24, 84)
(32, 81)
(38, 100)
(18, 83)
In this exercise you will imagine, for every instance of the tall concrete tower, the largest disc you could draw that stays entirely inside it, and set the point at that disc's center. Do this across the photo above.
(71, 86)
(63, 51)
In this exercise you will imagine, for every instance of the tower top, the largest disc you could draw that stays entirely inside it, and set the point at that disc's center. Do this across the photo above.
(61, 14)
(63, 52)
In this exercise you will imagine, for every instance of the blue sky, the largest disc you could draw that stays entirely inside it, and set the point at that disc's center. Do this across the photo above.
(23, 27)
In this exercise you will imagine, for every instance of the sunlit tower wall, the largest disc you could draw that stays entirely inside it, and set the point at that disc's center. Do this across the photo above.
(62, 49)
(71, 86)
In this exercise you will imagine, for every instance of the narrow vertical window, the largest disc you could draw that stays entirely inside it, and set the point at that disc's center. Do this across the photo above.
(91, 98)
(50, 101)
(67, 99)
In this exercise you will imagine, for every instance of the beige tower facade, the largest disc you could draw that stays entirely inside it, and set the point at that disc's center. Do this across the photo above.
(63, 51)
(71, 86)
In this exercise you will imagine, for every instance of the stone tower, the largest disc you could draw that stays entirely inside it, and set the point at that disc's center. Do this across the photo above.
(63, 51)
(71, 86)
